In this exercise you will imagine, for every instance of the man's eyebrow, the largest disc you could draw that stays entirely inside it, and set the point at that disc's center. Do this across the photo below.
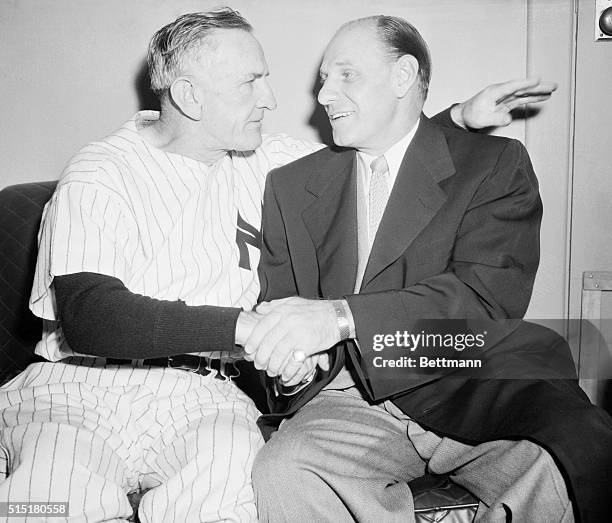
(343, 63)
(250, 76)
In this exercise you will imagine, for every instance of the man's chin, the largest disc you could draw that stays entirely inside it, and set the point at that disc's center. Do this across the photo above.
(249, 143)
(341, 140)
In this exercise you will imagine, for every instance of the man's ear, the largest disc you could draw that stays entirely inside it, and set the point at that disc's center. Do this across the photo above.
(186, 97)
(406, 74)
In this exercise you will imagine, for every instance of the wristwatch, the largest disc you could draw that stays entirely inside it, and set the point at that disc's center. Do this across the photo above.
(342, 318)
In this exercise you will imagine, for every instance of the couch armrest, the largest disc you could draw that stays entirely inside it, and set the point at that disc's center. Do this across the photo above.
(21, 209)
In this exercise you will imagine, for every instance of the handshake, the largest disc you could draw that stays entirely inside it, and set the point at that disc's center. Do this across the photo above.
(288, 338)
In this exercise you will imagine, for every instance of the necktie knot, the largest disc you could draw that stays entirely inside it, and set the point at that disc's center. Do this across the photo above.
(379, 166)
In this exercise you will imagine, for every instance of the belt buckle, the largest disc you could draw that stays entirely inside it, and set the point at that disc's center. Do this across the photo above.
(183, 367)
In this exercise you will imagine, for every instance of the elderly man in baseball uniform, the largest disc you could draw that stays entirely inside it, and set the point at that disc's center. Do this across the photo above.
(146, 278)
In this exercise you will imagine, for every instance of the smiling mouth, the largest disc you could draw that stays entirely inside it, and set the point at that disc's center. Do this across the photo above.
(337, 116)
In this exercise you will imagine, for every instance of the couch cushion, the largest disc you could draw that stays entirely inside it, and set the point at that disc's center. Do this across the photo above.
(21, 209)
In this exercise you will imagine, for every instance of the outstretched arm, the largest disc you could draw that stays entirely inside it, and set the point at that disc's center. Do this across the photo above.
(491, 107)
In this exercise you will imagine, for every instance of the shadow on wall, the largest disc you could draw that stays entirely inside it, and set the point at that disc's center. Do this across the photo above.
(520, 113)
(142, 83)
(318, 118)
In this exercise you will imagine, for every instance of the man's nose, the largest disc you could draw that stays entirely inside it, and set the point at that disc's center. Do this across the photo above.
(327, 93)
(267, 99)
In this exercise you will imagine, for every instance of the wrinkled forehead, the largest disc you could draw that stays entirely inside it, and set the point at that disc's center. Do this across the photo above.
(354, 43)
(233, 51)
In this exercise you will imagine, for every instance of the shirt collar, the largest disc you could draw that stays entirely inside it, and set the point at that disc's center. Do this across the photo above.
(394, 156)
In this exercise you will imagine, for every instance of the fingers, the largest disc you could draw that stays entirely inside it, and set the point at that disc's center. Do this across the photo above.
(280, 355)
(504, 89)
(273, 349)
(522, 89)
(268, 306)
(542, 89)
(259, 332)
(296, 379)
(516, 102)
(294, 372)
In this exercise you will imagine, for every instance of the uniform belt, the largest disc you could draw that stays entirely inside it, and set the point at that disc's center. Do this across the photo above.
(189, 362)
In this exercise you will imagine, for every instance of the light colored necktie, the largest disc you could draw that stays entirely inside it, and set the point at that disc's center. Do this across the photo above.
(379, 194)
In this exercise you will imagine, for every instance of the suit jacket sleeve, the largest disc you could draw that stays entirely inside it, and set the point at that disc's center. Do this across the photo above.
(490, 273)
(444, 119)
(275, 276)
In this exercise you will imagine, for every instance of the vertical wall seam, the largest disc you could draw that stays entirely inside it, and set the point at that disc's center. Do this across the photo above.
(527, 60)
(571, 160)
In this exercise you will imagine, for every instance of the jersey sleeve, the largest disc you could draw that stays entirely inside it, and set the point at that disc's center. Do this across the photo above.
(86, 227)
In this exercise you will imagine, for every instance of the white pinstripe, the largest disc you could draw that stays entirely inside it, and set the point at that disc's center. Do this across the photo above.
(91, 441)
(122, 208)
(166, 226)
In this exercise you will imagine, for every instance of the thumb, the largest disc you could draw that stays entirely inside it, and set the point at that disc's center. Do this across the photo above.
(324, 361)
(504, 119)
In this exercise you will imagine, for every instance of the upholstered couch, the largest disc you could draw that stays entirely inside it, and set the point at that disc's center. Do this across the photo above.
(436, 497)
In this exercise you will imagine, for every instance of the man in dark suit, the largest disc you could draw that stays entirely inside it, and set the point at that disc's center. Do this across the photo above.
(412, 222)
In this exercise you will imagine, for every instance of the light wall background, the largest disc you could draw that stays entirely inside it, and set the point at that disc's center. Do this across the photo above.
(72, 71)
(73, 68)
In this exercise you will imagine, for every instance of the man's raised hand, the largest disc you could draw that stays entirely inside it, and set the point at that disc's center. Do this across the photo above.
(491, 107)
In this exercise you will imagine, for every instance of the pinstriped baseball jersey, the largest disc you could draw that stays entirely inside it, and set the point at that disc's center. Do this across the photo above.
(168, 226)
(171, 228)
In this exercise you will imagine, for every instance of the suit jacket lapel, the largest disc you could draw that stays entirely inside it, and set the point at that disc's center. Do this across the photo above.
(415, 199)
(331, 221)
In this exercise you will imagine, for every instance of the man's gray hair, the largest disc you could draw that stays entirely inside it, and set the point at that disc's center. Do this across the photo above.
(181, 40)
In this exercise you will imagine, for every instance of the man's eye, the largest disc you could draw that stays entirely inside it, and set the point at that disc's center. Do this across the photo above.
(348, 75)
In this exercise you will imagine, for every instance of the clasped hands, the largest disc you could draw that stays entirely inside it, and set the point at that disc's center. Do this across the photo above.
(289, 337)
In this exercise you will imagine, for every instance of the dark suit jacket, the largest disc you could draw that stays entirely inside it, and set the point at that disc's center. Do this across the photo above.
(459, 239)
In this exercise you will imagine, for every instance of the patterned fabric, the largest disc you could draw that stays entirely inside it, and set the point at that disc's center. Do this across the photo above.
(87, 433)
(168, 226)
(21, 207)
(378, 195)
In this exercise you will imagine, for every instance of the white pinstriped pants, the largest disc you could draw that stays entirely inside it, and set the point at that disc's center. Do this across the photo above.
(91, 434)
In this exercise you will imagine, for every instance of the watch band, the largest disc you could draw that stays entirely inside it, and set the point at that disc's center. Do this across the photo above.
(344, 326)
